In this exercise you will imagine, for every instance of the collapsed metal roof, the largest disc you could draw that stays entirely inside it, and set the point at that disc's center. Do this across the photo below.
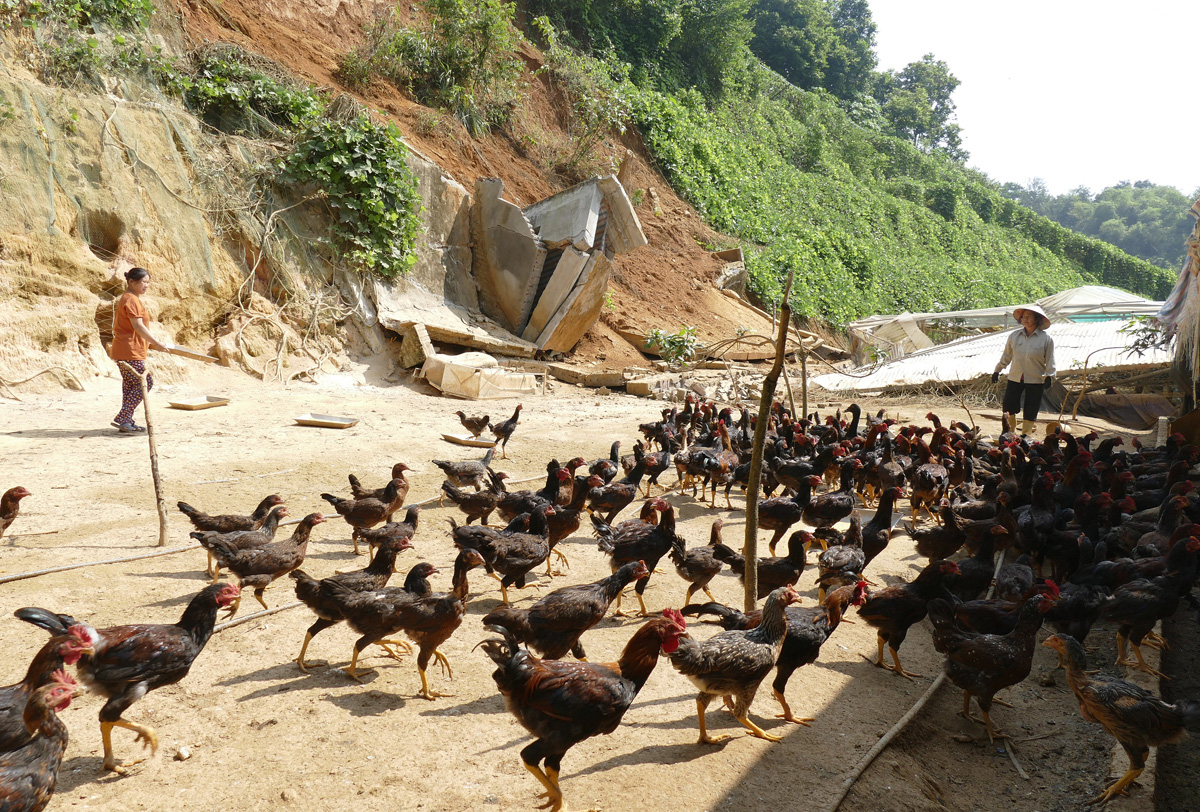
(1094, 343)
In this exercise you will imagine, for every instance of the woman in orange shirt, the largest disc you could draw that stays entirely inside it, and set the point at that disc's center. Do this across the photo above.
(131, 340)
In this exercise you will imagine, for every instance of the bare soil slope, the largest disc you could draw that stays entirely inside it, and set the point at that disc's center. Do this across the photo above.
(656, 286)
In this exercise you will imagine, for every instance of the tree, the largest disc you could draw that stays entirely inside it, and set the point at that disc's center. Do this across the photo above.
(828, 44)
(917, 101)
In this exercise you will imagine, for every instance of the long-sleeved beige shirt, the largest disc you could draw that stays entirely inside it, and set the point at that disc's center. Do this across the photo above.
(1032, 356)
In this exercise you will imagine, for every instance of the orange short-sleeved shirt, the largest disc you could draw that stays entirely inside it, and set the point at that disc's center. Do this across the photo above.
(128, 344)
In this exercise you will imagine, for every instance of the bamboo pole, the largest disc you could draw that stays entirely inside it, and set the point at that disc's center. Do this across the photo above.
(158, 490)
(754, 482)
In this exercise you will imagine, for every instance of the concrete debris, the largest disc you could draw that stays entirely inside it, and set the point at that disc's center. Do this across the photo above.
(542, 271)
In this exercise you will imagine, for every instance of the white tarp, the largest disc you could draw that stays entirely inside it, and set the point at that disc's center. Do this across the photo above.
(1097, 343)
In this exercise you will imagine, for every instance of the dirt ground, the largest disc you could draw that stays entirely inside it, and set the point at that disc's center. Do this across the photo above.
(262, 735)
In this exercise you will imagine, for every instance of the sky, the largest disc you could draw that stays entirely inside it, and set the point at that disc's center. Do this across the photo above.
(1076, 93)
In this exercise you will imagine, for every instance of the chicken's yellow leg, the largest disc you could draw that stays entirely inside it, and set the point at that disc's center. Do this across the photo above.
(641, 603)
(352, 669)
(300, 660)
(992, 731)
(426, 693)
(1117, 788)
(444, 663)
(757, 731)
(704, 737)
(787, 711)
(1142, 665)
(145, 735)
(549, 780)
(899, 669)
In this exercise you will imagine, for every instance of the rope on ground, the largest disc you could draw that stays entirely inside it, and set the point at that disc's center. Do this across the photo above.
(882, 744)
(240, 478)
(21, 576)
(8, 384)
(229, 624)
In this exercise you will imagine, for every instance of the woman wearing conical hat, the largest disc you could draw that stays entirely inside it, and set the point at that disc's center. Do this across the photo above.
(1029, 356)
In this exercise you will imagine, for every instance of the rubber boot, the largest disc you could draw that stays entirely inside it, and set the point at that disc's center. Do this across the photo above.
(1029, 428)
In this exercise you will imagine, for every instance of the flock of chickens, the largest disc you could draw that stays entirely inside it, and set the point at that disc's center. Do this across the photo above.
(1097, 533)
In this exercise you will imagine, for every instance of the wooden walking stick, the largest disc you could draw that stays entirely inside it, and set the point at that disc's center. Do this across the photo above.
(158, 491)
(754, 481)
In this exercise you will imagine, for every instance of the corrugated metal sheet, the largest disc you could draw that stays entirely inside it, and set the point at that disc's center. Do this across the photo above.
(969, 358)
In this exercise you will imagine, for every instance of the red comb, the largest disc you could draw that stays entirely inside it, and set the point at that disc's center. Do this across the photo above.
(1054, 592)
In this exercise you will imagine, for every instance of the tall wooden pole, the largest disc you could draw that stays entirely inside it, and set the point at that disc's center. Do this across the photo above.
(158, 490)
(754, 482)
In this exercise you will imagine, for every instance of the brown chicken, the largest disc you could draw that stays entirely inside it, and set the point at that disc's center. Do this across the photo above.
(515, 503)
(878, 532)
(554, 625)
(564, 703)
(374, 576)
(781, 512)
(29, 774)
(773, 572)
(10, 506)
(1136, 718)
(466, 473)
(827, 509)
(473, 424)
(939, 540)
(698, 565)
(928, 483)
(733, 664)
(240, 539)
(259, 567)
(565, 521)
(362, 514)
(481, 504)
(427, 620)
(616, 496)
(807, 631)
(504, 431)
(983, 664)
(648, 543)
(229, 522)
(359, 492)
(129, 661)
(894, 609)
(842, 564)
(393, 531)
(60, 650)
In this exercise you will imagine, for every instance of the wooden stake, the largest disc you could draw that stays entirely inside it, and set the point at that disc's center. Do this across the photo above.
(754, 482)
(158, 491)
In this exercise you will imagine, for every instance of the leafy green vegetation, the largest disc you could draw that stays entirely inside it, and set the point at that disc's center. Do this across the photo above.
(359, 167)
(464, 61)
(1142, 219)
(232, 93)
(675, 348)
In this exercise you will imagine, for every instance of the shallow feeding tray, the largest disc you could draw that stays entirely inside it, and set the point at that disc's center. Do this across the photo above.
(205, 402)
(466, 439)
(327, 421)
(175, 349)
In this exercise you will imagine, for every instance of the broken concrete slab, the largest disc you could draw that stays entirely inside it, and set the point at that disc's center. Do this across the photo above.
(581, 308)
(401, 302)
(645, 387)
(508, 256)
(563, 279)
(415, 347)
(623, 231)
(573, 374)
(569, 217)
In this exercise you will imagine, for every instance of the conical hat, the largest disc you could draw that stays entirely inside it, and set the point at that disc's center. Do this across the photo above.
(1043, 319)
